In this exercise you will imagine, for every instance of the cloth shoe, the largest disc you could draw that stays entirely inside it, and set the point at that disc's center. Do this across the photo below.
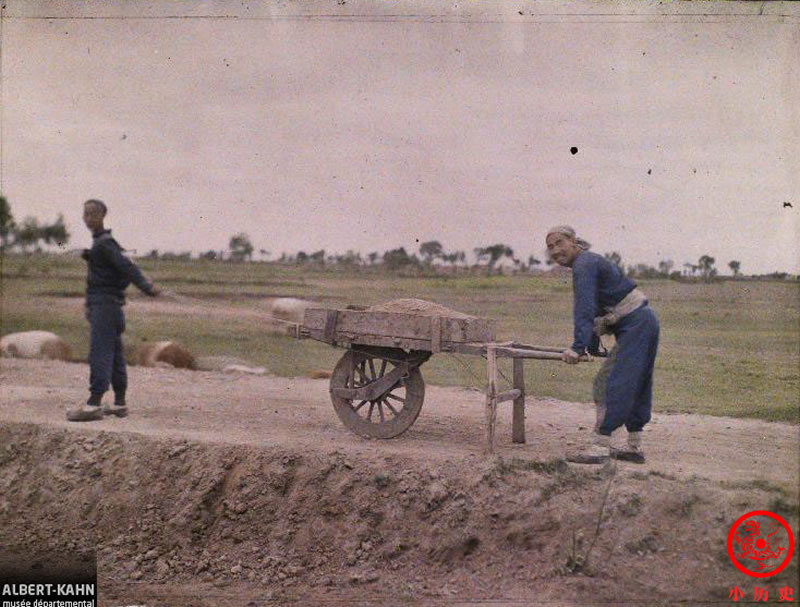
(88, 412)
(633, 452)
(119, 408)
(598, 452)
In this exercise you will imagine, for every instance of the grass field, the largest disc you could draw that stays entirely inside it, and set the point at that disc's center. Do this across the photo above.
(727, 348)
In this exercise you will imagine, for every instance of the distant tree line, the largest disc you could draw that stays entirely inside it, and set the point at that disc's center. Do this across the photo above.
(431, 257)
(704, 269)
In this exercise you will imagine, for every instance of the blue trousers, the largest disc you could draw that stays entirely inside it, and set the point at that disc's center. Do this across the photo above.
(106, 359)
(625, 382)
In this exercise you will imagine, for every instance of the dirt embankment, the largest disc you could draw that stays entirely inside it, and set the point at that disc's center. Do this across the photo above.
(223, 492)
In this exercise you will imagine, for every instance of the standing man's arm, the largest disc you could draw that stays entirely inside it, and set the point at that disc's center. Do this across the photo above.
(127, 268)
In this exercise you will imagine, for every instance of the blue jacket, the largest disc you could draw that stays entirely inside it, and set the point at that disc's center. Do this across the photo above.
(597, 284)
(110, 272)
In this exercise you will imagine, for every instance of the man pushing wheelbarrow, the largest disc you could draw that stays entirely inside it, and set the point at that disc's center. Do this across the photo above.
(606, 302)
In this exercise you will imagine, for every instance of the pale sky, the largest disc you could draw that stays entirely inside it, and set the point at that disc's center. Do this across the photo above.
(369, 125)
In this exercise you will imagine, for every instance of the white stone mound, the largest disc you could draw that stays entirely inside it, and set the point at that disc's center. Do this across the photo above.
(35, 344)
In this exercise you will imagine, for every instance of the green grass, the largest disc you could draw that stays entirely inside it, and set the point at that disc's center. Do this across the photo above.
(728, 348)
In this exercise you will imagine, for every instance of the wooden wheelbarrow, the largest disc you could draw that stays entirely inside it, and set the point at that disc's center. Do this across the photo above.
(377, 388)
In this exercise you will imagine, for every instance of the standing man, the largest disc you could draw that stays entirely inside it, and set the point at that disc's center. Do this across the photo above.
(605, 301)
(109, 274)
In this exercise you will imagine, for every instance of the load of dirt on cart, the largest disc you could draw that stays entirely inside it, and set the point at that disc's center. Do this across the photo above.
(197, 523)
(419, 307)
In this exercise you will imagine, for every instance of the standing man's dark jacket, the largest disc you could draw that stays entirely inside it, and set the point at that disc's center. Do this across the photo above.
(110, 272)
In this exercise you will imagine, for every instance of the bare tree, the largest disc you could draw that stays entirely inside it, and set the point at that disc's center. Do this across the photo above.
(318, 257)
(706, 266)
(665, 266)
(397, 258)
(430, 250)
(493, 253)
(351, 258)
(240, 246)
(7, 224)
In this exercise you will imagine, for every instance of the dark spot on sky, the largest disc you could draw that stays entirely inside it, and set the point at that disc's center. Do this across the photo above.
(787, 205)
(520, 12)
(649, 171)
(124, 136)
(573, 150)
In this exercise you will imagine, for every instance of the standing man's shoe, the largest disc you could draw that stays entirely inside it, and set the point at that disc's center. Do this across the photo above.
(89, 412)
(119, 408)
(633, 452)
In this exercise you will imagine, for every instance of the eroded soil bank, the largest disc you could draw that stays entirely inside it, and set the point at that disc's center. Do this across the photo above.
(207, 524)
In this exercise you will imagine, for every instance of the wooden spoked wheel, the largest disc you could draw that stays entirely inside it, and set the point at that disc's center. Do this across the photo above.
(389, 413)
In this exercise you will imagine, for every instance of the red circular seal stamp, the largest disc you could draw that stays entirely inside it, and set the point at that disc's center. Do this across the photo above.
(760, 543)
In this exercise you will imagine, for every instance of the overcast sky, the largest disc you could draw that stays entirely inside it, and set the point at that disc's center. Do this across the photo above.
(369, 126)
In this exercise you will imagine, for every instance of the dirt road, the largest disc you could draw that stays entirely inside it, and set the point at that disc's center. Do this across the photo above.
(224, 487)
(296, 413)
